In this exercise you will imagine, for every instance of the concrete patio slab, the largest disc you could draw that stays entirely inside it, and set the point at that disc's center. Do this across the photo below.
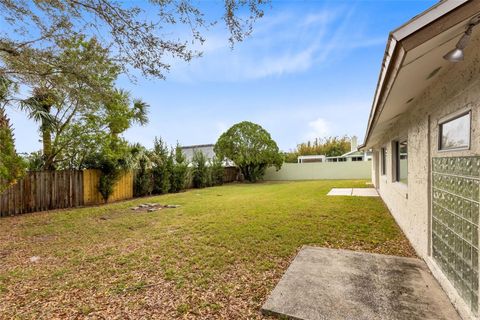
(340, 192)
(359, 192)
(365, 192)
(327, 284)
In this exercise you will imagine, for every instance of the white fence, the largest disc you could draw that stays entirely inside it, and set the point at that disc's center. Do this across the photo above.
(321, 171)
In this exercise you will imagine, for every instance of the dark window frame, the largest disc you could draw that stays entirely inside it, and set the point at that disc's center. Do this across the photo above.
(450, 119)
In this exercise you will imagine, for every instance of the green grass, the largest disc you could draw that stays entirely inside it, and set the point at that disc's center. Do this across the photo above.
(218, 255)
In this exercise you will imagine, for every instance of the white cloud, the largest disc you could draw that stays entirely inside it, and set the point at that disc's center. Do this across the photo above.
(282, 43)
(319, 128)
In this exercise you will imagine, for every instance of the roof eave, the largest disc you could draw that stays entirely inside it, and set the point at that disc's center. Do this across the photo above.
(414, 25)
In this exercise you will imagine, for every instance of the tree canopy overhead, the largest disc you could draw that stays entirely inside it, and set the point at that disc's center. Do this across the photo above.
(137, 38)
(251, 148)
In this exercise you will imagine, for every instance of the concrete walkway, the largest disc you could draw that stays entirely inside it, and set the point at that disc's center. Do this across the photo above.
(327, 284)
(359, 192)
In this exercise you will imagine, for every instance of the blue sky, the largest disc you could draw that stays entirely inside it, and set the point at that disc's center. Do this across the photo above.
(308, 70)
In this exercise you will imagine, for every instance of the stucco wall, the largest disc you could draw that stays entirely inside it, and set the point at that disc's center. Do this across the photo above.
(458, 88)
(321, 171)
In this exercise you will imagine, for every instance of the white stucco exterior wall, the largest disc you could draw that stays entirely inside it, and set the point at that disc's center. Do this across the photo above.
(457, 88)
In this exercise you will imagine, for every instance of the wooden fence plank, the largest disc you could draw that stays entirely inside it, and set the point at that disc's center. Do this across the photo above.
(43, 190)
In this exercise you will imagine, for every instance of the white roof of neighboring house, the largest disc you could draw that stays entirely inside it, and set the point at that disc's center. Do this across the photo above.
(206, 149)
(414, 58)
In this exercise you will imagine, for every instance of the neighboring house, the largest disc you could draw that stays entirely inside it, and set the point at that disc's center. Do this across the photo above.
(206, 149)
(424, 130)
(353, 155)
(311, 158)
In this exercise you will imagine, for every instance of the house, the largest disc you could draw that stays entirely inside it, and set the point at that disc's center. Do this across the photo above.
(424, 131)
(353, 155)
(311, 158)
(206, 149)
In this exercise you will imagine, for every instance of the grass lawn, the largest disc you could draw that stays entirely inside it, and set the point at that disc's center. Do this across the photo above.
(216, 256)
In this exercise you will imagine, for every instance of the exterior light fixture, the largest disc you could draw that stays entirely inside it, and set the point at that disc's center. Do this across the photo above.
(457, 54)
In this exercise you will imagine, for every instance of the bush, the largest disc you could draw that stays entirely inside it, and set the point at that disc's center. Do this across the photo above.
(200, 170)
(179, 173)
(161, 168)
(143, 179)
(110, 174)
(113, 158)
(217, 172)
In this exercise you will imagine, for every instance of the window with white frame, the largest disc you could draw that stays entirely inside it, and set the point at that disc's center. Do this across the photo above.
(401, 161)
(383, 153)
(454, 133)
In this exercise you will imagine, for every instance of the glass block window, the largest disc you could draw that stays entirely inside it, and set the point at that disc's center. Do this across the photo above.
(455, 211)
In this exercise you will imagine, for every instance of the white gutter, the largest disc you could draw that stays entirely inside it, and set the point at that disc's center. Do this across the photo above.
(426, 17)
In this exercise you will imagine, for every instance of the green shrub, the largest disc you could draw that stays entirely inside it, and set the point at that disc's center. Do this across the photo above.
(161, 168)
(217, 172)
(200, 170)
(113, 158)
(143, 179)
(179, 170)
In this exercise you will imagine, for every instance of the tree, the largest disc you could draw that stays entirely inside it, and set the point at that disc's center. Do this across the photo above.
(45, 37)
(12, 165)
(200, 171)
(179, 171)
(143, 179)
(60, 99)
(160, 167)
(251, 148)
(136, 34)
(113, 158)
(39, 108)
(217, 171)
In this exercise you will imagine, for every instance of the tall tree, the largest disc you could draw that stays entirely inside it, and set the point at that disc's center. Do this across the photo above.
(136, 33)
(71, 106)
(39, 108)
(11, 165)
(160, 166)
(251, 148)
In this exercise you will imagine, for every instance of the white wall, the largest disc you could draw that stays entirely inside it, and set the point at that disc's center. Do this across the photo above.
(457, 89)
(321, 171)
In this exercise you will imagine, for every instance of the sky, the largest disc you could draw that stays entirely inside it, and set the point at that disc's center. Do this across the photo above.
(309, 70)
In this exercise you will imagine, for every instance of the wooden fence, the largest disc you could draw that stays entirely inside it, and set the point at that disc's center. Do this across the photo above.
(48, 190)
(43, 190)
(123, 188)
(231, 174)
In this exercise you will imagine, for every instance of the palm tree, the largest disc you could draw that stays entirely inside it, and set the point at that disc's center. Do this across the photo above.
(38, 108)
(120, 115)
